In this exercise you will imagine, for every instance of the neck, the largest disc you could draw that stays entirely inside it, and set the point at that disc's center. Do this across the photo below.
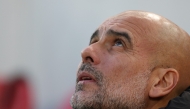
(157, 103)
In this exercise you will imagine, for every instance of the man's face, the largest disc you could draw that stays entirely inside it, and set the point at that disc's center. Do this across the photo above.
(115, 68)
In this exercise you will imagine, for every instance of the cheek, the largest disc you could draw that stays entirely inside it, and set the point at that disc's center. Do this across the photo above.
(117, 69)
(121, 66)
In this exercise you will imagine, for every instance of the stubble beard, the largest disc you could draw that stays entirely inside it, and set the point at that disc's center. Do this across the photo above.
(110, 96)
(130, 97)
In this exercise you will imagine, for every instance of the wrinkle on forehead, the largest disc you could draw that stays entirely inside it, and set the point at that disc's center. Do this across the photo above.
(139, 27)
(140, 20)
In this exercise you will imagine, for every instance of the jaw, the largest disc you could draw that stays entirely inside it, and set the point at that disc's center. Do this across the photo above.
(86, 99)
(86, 90)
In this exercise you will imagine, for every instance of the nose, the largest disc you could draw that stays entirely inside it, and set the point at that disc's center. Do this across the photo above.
(90, 55)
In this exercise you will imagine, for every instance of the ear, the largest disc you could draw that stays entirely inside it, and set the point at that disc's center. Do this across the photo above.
(164, 81)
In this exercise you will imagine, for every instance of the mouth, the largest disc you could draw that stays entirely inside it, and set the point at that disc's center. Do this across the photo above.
(85, 77)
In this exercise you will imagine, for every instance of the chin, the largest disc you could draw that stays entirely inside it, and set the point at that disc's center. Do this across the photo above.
(80, 99)
(81, 95)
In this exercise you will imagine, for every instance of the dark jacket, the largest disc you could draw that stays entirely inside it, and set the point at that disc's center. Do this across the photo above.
(180, 102)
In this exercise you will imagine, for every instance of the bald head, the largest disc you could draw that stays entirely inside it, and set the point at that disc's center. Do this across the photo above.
(167, 44)
(142, 56)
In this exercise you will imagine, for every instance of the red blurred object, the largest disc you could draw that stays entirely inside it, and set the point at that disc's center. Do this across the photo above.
(66, 103)
(14, 94)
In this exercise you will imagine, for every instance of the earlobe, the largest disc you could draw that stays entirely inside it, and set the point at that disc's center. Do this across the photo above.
(164, 82)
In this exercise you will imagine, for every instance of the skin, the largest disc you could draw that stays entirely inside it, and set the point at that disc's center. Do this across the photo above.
(139, 60)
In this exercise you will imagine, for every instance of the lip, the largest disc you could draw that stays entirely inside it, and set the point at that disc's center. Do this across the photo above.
(85, 74)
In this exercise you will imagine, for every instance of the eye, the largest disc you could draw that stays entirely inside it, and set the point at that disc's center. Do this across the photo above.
(118, 42)
(94, 41)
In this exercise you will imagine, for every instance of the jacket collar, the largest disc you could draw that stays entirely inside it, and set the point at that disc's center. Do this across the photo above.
(180, 102)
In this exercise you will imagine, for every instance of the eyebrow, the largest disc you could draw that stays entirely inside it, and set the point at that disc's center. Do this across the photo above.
(122, 34)
(113, 32)
(95, 34)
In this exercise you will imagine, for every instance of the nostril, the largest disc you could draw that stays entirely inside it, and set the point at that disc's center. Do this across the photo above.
(90, 55)
(88, 58)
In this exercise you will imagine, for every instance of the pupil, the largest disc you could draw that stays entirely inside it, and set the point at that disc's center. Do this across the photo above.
(118, 43)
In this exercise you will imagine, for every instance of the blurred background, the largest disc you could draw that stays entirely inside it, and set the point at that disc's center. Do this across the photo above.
(42, 39)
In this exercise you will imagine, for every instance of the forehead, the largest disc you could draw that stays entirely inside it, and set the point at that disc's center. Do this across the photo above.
(141, 29)
(135, 27)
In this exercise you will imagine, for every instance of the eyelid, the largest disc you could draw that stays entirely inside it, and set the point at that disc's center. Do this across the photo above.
(120, 39)
(93, 41)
